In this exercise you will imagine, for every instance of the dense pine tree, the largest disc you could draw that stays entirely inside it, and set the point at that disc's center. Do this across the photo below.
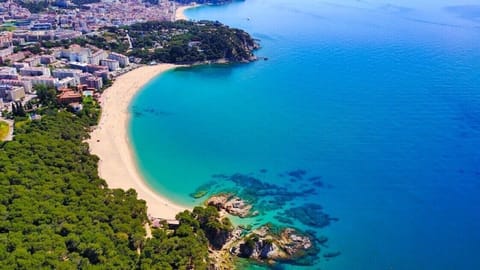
(56, 213)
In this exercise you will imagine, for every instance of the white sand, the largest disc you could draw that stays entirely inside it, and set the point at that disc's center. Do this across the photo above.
(110, 141)
(180, 12)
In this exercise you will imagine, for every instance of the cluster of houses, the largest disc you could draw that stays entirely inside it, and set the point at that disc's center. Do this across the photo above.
(64, 17)
(73, 96)
(73, 72)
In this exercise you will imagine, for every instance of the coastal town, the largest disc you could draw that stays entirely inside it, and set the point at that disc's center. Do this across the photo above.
(36, 48)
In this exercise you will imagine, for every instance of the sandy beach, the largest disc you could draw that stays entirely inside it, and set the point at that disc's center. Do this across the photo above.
(110, 141)
(180, 12)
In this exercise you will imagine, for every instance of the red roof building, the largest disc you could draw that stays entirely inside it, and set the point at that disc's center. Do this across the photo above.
(68, 97)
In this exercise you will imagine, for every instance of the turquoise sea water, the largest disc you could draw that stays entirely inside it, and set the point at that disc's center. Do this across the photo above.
(377, 102)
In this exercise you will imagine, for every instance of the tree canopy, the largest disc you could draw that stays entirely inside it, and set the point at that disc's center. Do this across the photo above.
(57, 213)
(189, 42)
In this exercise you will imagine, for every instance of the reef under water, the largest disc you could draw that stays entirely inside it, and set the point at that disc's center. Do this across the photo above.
(287, 199)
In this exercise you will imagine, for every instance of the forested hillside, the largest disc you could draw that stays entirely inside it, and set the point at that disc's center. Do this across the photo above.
(55, 209)
(56, 213)
(188, 42)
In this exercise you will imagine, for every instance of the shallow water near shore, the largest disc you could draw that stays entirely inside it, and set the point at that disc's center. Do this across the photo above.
(362, 126)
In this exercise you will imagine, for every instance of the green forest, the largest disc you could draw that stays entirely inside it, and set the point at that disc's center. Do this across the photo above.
(188, 42)
(56, 213)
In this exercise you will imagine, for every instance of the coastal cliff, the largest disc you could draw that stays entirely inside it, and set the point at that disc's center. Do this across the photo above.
(265, 244)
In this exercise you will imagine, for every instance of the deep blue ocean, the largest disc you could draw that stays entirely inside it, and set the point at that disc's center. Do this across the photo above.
(363, 126)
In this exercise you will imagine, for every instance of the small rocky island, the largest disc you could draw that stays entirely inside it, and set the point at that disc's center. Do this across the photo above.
(231, 204)
(267, 244)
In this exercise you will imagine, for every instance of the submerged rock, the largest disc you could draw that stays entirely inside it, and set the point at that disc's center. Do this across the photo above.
(297, 173)
(202, 190)
(309, 191)
(322, 240)
(283, 219)
(137, 114)
(199, 194)
(314, 178)
(319, 184)
(310, 215)
(330, 255)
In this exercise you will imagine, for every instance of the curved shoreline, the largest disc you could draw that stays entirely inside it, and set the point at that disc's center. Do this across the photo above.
(110, 141)
(180, 12)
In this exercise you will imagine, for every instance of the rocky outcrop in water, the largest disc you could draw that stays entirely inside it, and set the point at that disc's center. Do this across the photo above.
(289, 199)
(268, 246)
(231, 204)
